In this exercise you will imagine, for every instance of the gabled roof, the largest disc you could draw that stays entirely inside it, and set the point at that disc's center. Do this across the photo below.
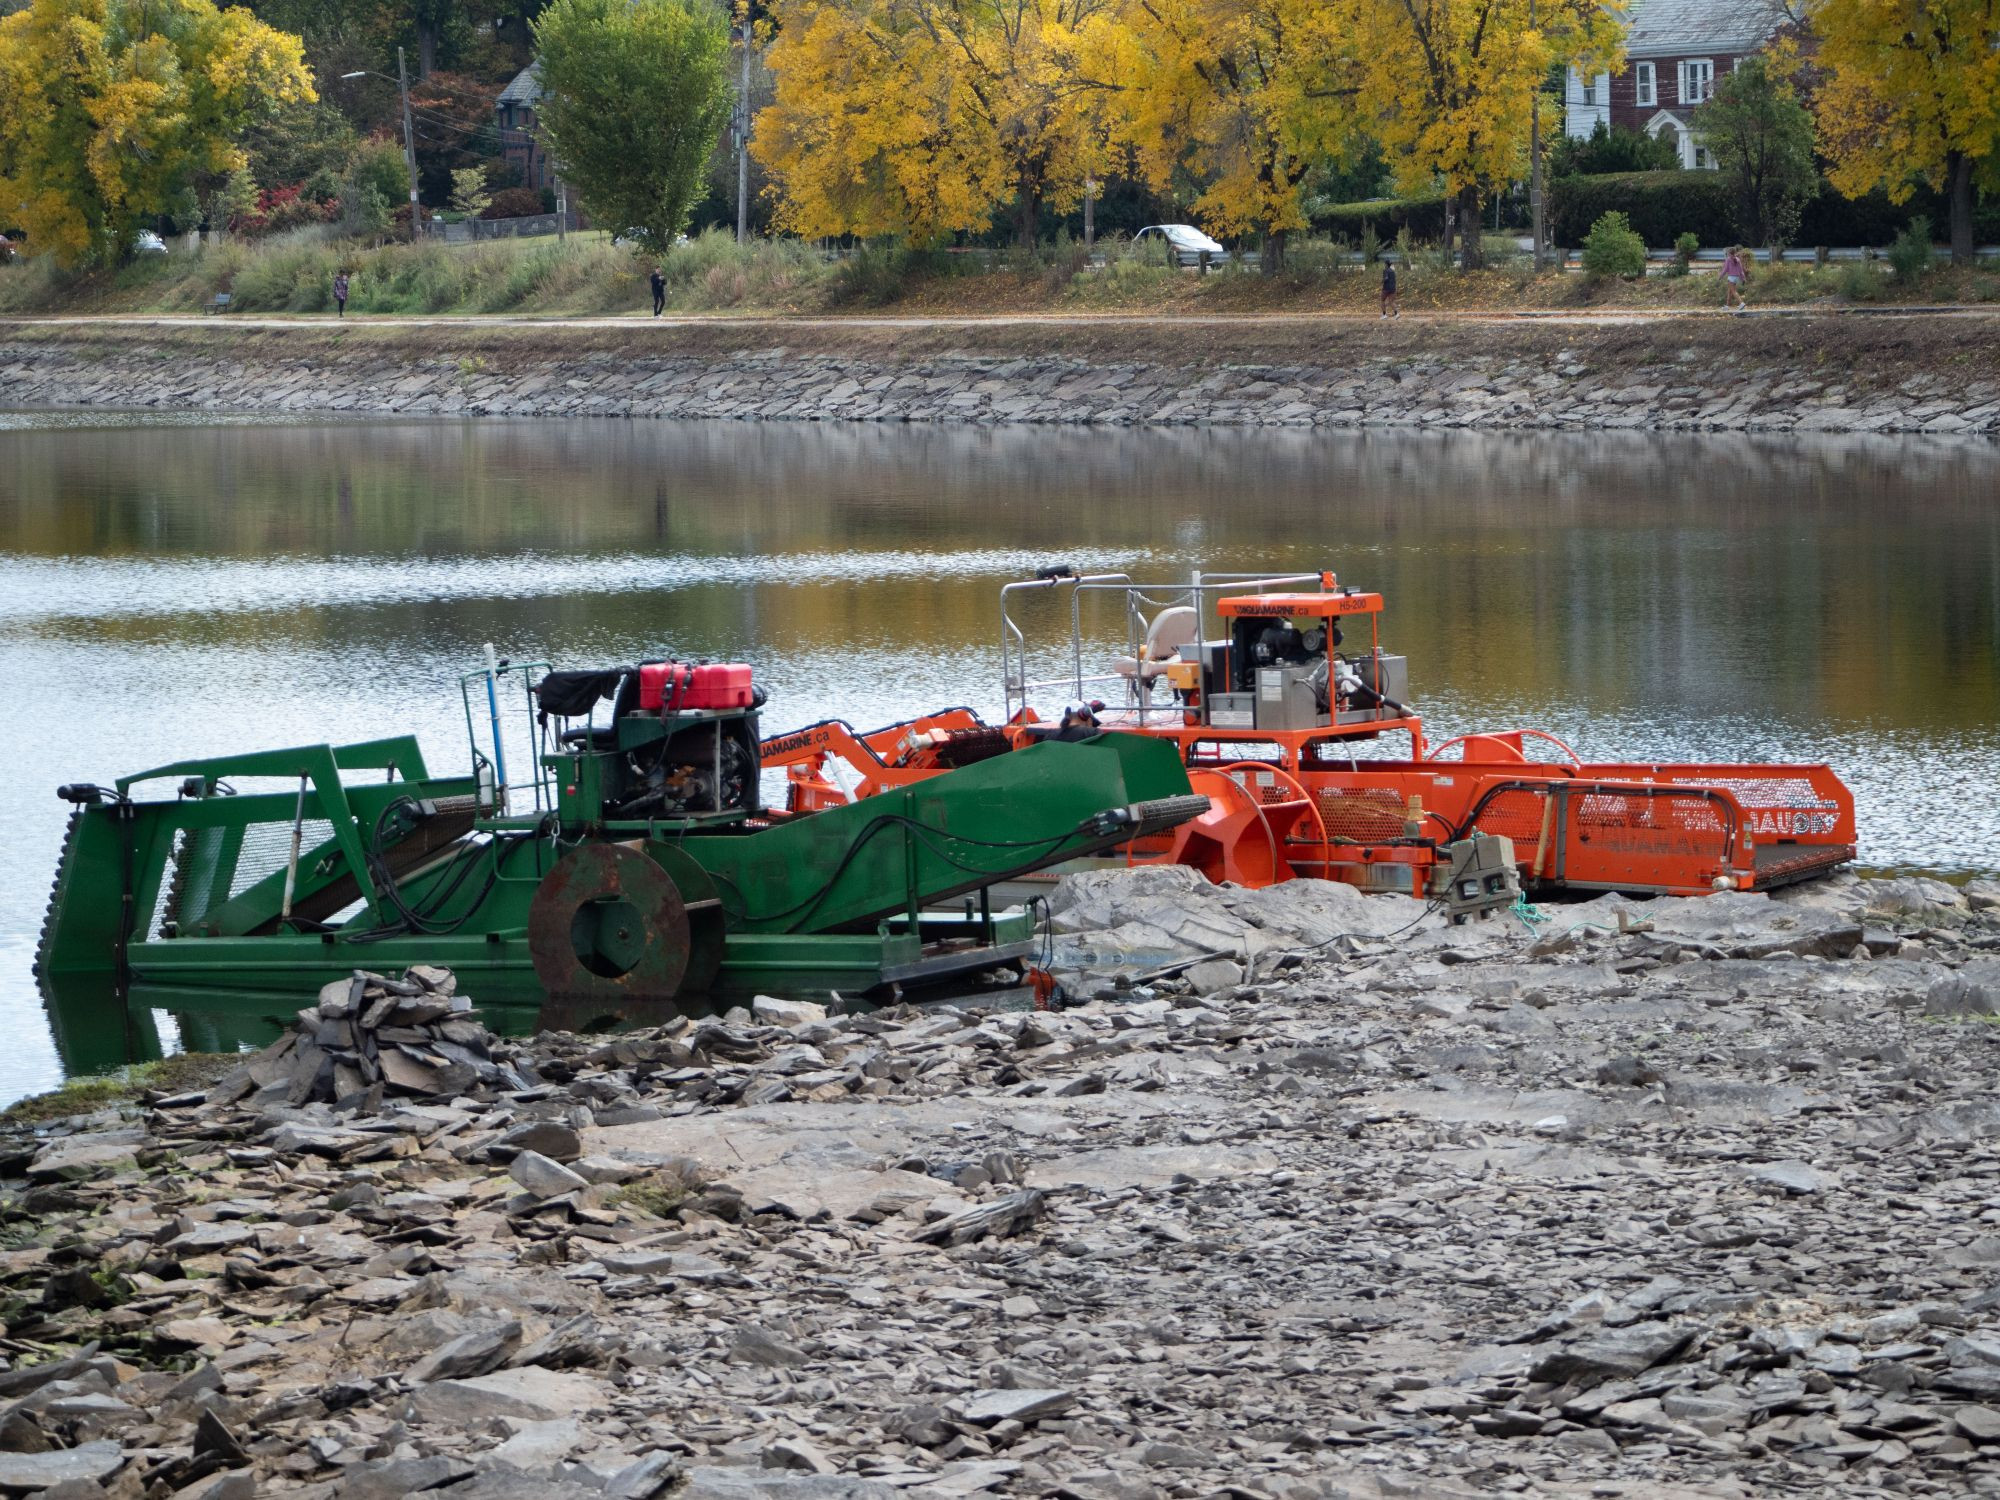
(525, 89)
(1689, 28)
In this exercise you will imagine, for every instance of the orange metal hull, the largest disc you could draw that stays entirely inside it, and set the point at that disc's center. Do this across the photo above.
(1291, 804)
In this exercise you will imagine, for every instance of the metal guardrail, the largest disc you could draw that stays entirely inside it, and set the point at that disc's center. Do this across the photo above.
(465, 231)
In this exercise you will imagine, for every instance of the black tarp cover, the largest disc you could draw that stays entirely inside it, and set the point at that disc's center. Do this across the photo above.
(569, 695)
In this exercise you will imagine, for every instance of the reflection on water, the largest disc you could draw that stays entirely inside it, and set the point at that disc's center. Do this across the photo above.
(176, 589)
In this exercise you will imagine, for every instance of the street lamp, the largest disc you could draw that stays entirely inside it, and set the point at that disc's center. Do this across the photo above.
(402, 82)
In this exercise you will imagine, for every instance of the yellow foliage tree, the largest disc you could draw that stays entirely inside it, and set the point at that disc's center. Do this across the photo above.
(113, 112)
(1248, 97)
(1912, 95)
(1450, 84)
(925, 117)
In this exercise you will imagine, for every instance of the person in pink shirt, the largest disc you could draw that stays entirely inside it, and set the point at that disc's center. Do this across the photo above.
(1733, 277)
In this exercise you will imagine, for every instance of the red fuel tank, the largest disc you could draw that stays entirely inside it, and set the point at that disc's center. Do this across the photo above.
(719, 685)
(663, 682)
(679, 684)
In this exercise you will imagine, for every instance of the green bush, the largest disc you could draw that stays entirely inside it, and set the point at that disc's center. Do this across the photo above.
(875, 274)
(1859, 280)
(1312, 259)
(1423, 217)
(1612, 249)
(380, 166)
(1686, 246)
(1787, 282)
(1910, 252)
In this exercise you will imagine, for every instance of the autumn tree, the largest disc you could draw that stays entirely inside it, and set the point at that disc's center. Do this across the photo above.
(1248, 98)
(117, 112)
(633, 97)
(922, 118)
(1762, 140)
(1911, 96)
(1450, 84)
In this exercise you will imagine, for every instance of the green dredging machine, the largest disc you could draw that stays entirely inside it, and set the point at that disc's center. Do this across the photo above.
(635, 873)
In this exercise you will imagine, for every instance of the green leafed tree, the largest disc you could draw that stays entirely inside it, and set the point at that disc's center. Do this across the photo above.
(1762, 139)
(469, 192)
(1607, 150)
(634, 94)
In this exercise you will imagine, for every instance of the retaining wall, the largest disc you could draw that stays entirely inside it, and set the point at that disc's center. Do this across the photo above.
(1482, 383)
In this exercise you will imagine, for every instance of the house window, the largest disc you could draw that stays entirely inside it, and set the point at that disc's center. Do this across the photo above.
(1703, 161)
(1697, 80)
(1646, 83)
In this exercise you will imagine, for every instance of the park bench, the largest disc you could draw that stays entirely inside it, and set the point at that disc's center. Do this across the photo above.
(218, 303)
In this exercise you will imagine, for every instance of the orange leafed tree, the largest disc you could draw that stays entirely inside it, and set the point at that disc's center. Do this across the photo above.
(1450, 84)
(1247, 98)
(116, 112)
(923, 118)
(1911, 96)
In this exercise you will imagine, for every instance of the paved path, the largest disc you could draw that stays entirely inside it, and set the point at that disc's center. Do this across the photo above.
(630, 321)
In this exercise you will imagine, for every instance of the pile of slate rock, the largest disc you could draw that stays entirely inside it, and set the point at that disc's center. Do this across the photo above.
(371, 1037)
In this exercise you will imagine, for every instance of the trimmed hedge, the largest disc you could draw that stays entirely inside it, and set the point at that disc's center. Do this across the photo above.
(1423, 216)
(1664, 205)
(1660, 206)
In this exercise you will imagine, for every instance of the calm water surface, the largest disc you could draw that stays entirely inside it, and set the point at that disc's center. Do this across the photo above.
(177, 588)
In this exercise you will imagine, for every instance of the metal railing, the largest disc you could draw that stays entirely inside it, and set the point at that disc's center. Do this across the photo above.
(1199, 591)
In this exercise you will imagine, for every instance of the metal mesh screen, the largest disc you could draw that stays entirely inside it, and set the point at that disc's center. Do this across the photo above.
(193, 884)
(1362, 813)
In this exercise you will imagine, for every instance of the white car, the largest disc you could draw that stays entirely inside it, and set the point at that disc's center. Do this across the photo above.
(149, 243)
(1184, 242)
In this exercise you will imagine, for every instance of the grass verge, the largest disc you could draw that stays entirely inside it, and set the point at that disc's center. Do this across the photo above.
(82, 1096)
(587, 275)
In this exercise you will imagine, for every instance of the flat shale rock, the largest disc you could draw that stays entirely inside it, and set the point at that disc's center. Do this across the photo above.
(542, 1177)
(984, 1407)
(1614, 1354)
(470, 1354)
(25, 1473)
(1684, 1205)
(763, 1484)
(532, 1394)
(86, 1156)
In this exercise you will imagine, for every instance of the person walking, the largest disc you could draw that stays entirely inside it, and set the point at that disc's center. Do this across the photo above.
(659, 280)
(1734, 274)
(340, 294)
(1389, 307)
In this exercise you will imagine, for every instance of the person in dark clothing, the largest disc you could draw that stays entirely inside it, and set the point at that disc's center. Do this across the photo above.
(1079, 722)
(340, 295)
(1389, 307)
(659, 280)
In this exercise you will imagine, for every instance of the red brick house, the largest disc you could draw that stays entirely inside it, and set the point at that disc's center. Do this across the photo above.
(1674, 52)
(520, 143)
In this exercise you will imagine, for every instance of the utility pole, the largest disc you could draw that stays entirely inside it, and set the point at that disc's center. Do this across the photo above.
(743, 138)
(1535, 155)
(1089, 216)
(409, 142)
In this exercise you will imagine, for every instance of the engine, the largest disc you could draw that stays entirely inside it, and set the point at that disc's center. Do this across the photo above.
(679, 740)
(706, 768)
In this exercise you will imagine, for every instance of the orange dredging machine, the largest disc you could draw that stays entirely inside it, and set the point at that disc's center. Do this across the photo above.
(1293, 721)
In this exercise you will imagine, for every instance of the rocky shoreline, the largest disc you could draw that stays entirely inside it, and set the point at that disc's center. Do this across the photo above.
(1851, 377)
(1699, 1202)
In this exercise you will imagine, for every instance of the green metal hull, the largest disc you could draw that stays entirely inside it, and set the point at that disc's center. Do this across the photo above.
(277, 893)
(499, 967)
